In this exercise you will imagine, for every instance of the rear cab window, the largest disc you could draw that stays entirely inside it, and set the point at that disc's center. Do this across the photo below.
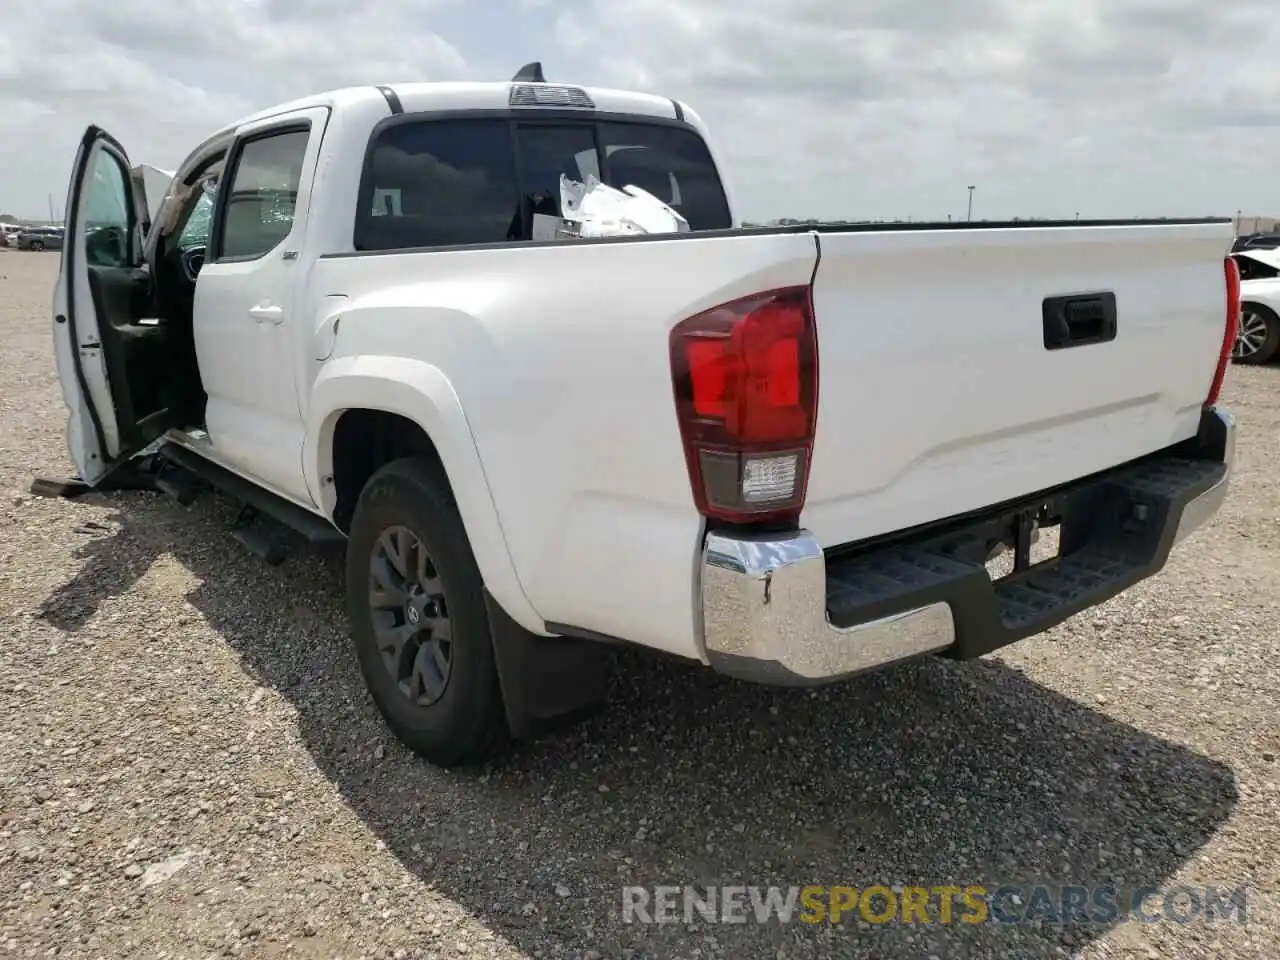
(446, 182)
(673, 164)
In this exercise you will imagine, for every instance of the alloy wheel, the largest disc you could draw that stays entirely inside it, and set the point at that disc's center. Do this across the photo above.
(1251, 335)
(410, 616)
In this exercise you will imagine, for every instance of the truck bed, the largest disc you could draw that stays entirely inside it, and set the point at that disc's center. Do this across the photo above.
(937, 396)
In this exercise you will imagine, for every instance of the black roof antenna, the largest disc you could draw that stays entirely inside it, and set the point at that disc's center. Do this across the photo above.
(530, 73)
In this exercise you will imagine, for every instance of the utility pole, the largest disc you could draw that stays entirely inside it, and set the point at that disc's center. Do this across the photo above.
(970, 215)
(51, 208)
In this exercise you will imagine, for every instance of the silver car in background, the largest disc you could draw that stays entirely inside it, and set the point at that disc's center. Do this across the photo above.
(40, 238)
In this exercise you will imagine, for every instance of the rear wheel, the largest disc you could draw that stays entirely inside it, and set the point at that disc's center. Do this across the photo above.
(36, 245)
(1258, 338)
(418, 617)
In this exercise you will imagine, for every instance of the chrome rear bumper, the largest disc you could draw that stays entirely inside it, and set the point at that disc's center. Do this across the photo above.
(766, 599)
(764, 611)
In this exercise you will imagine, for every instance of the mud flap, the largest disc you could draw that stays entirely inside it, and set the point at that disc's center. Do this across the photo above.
(546, 681)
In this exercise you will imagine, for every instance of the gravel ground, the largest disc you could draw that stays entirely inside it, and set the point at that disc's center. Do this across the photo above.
(190, 767)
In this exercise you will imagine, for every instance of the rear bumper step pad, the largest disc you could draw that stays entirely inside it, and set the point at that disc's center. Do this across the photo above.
(1115, 530)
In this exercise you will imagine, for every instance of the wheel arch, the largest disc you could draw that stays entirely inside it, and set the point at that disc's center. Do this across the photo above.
(1260, 304)
(366, 411)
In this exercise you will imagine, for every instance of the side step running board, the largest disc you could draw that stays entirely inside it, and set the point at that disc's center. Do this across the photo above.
(179, 483)
(315, 529)
(256, 540)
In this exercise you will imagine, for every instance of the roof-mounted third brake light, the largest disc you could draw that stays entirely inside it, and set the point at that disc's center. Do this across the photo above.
(529, 88)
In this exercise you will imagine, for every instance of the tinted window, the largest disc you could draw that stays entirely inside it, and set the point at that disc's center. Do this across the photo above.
(671, 163)
(446, 182)
(547, 152)
(439, 183)
(262, 196)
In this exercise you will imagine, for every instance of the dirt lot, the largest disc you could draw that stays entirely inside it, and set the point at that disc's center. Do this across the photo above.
(190, 767)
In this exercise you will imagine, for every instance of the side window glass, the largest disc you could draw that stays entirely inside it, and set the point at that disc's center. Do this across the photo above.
(196, 232)
(107, 217)
(439, 183)
(262, 193)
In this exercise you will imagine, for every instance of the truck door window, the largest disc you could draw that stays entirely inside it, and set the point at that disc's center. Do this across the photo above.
(546, 152)
(196, 231)
(439, 183)
(673, 164)
(108, 224)
(263, 192)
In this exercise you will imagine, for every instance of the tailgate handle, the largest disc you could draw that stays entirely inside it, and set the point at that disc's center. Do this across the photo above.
(1079, 320)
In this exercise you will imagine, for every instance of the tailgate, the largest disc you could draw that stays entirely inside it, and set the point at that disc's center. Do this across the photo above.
(938, 394)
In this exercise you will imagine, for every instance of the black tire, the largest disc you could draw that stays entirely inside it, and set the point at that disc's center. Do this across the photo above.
(466, 723)
(1257, 351)
(36, 246)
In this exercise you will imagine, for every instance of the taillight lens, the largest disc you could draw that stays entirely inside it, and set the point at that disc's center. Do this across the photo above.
(746, 386)
(1232, 271)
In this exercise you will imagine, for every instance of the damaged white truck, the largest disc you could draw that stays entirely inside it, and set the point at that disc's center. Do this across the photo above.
(786, 454)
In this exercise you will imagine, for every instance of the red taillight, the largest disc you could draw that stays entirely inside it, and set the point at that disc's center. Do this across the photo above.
(746, 384)
(1232, 270)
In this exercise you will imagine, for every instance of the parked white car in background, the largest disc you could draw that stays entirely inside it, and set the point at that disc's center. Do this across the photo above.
(1258, 339)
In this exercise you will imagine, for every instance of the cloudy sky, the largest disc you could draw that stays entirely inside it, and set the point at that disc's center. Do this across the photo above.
(829, 108)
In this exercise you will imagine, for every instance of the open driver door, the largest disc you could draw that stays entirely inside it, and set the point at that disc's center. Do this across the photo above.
(109, 346)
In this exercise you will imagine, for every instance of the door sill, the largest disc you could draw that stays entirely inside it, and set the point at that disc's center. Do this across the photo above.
(195, 437)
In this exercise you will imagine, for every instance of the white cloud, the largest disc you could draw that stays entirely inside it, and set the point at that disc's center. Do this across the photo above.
(161, 76)
(891, 108)
(819, 107)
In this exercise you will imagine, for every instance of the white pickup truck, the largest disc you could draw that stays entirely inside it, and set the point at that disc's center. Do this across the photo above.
(787, 454)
